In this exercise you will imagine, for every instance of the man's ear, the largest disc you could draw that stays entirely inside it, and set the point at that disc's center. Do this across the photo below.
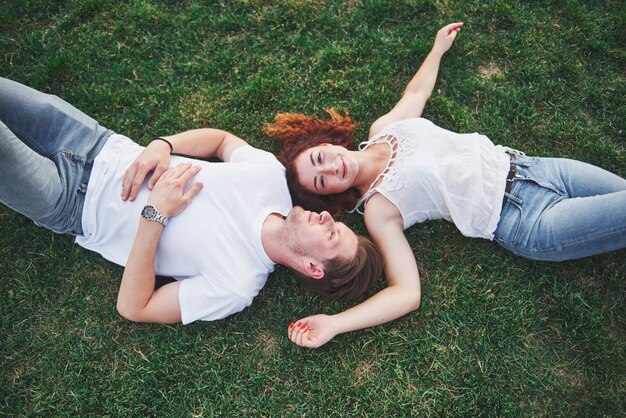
(314, 270)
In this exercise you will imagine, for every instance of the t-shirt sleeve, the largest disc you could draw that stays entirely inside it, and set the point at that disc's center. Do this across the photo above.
(206, 300)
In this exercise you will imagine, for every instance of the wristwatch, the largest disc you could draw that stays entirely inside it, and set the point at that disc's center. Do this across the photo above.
(151, 213)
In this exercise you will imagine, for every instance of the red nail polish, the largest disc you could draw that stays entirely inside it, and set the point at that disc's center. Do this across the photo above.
(299, 324)
(291, 325)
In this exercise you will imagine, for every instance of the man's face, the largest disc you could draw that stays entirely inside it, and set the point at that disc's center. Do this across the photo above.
(318, 235)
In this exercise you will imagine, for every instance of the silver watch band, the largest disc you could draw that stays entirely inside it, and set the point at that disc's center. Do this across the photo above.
(151, 213)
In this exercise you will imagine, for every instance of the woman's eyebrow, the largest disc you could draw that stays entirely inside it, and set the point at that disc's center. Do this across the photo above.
(313, 163)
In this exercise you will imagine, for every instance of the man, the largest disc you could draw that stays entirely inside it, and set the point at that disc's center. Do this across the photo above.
(219, 238)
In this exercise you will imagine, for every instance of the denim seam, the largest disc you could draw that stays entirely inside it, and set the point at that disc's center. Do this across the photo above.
(573, 244)
(31, 143)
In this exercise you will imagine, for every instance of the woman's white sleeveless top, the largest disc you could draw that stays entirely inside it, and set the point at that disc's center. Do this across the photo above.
(434, 173)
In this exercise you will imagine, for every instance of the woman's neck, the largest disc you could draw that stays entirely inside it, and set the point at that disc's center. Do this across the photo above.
(372, 161)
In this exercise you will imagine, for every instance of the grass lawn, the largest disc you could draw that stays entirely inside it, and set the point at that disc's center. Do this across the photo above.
(496, 335)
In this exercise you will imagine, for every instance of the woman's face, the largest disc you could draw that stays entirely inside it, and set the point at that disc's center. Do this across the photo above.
(326, 169)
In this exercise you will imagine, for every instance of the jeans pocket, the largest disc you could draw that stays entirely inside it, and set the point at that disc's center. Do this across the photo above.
(533, 169)
(65, 206)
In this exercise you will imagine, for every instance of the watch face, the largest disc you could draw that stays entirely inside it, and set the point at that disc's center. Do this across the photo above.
(148, 212)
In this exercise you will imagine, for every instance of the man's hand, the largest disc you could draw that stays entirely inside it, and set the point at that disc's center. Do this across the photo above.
(445, 37)
(156, 158)
(168, 194)
(313, 331)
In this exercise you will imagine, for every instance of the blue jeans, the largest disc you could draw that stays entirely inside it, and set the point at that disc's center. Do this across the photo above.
(561, 209)
(47, 148)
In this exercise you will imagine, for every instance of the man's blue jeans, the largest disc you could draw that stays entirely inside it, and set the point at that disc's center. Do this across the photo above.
(47, 148)
(560, 209)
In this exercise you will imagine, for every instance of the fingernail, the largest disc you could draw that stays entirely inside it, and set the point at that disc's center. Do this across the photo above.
(291, 325)
(299, 324)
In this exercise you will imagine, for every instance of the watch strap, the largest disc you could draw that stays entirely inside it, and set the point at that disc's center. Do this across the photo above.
(151, 213)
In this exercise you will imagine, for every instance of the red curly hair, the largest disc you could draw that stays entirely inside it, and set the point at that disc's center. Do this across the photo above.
(299, 132)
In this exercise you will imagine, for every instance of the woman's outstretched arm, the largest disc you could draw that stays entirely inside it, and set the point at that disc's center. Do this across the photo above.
(401, 296)
(419, 89)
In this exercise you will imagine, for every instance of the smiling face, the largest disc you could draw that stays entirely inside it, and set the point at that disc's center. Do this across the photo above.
(326, 169)
(319, 236)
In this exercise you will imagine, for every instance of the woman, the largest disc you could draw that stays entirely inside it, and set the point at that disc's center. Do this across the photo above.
(410, 171)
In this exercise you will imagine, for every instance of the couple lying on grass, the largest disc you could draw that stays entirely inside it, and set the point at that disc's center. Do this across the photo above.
(220, 229)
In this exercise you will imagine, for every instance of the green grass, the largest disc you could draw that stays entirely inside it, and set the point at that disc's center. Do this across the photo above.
(496, 335)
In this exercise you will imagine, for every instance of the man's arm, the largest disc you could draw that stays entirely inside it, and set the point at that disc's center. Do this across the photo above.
(419, 89)
(205, 143)
(137, 299)
(201, 143)
(401, 296)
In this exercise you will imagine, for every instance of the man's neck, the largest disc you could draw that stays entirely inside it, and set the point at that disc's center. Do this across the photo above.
(272, 238)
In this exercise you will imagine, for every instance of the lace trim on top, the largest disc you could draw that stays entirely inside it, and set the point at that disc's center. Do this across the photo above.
(390, 174)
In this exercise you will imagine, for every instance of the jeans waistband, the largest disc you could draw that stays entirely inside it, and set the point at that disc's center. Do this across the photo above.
(513, 153)
(84, 181)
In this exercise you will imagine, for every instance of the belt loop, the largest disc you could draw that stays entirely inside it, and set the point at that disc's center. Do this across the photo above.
(513, 151)
(510, 176)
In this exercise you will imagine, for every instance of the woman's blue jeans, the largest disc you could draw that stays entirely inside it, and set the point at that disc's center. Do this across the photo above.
(47, 148)
(560, 209)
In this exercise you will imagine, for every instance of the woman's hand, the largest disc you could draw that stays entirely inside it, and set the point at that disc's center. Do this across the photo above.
(313, 331)
(445, 37)
(156, 158)
(168, 194)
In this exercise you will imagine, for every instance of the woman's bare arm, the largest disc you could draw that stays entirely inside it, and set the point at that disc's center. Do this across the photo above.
(401, 296)
(421, 86)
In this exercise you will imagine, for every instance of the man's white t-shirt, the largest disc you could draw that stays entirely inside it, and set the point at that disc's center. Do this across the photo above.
(214, 246)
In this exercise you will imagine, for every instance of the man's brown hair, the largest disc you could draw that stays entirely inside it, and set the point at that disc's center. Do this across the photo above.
(348, 278)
